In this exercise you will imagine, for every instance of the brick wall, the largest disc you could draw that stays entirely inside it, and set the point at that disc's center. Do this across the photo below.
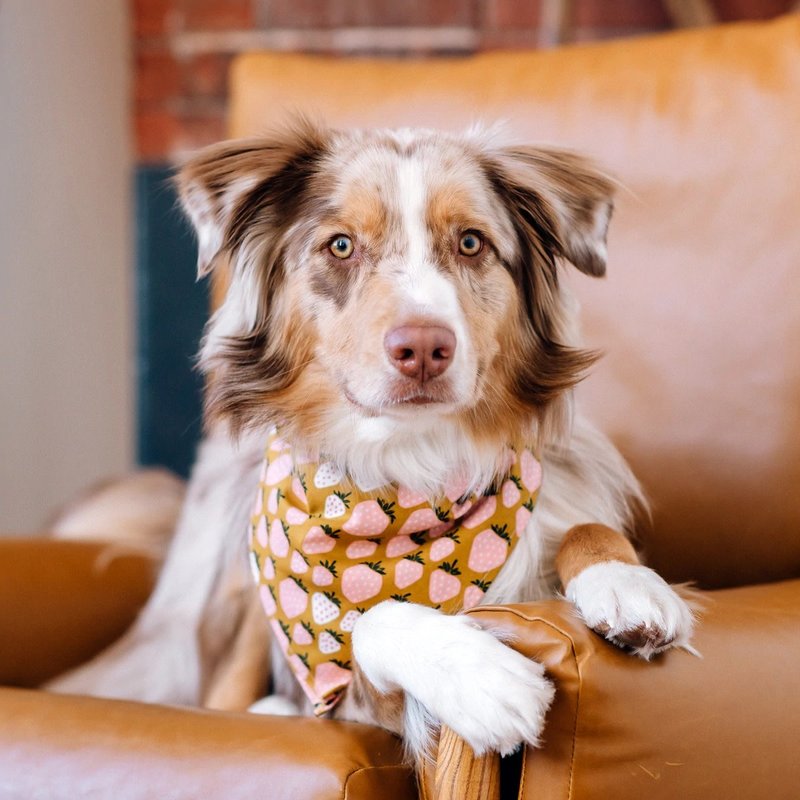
(183, 47)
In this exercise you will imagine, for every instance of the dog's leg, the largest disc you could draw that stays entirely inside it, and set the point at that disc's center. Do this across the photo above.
(628, 603)
(453, 672)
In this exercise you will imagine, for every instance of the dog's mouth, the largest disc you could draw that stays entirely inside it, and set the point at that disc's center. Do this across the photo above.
(398, 398)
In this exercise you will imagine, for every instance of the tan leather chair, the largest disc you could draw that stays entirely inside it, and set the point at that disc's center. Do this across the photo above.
(700, 320)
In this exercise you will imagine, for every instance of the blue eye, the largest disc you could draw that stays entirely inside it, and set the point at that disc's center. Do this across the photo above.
(470, 244)
(341, 246)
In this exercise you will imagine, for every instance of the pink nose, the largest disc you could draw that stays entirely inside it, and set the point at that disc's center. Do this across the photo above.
(420, 351)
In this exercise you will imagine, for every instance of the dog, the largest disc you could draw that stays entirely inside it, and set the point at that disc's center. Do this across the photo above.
(395, 303)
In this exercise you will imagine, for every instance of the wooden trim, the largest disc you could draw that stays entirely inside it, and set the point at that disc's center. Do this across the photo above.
(461, 775)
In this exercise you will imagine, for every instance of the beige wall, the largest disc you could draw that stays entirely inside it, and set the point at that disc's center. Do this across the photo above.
(66, 383)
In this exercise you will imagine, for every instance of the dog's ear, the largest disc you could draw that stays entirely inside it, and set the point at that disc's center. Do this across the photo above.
(227, 187)
(561, 198)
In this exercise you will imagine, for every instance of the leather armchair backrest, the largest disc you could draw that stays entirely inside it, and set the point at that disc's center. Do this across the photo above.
(699, 316)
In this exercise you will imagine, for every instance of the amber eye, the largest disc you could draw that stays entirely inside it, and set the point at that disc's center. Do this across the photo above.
(341, 246)
(470, 244)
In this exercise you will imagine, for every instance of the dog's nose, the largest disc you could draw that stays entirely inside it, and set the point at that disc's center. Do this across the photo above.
(420, 351)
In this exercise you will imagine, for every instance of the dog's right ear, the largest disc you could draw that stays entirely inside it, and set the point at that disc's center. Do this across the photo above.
(228, 186)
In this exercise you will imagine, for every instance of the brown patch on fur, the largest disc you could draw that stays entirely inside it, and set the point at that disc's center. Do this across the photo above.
(585, 545)
(385, 710)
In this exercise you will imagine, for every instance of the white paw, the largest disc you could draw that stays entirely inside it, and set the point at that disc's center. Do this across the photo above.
(493, 697)
(275, 705)
(632, 606)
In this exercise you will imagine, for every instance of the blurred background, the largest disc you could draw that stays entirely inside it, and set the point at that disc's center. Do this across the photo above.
(99, 311)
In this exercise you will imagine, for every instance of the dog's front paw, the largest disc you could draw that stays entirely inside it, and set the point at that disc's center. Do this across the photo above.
(460, 674)
(631, 606)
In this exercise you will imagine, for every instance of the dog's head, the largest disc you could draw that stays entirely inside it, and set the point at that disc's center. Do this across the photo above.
(387, 283)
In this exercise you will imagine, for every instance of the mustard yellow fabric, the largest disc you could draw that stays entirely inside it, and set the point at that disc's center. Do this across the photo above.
(323, 552)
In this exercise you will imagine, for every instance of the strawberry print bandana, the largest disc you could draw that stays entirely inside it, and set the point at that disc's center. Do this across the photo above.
(323, 552)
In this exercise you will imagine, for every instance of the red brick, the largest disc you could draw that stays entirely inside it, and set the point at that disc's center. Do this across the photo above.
(513, 14)
(200, 129)
(750, 9)
(154, 17)
(156, 132)
(619, 14)
(216, 15)
(206, 76)
(157, 77)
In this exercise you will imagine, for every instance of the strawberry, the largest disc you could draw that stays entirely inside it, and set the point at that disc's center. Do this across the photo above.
(299, 667)
(408, 570)
(258, 506)
(279, 470)
(279, 445)
(361, 548)
(294, 516)
(293, 596)
(474, 593)
(336, 504)
(531, 471)
(420, 520)
(480, 512)
(399, 546)
(362, 581)
(298, 564)
(460, 509)
(324, 573)
(268, 568)
(442, 548)
(273, 499)
(444, 583)
(261, 532)
(302, 633)
(320, 539)
(524, 513)
(281, 632)
(489, 549)
(330, 641)
(370, 518)
(510, 492)
(456, 488)
(330, 676)
(325, 607)
(407, 498)
(267, 599)
(299, 490)
(349, 620)
(278, 541)
(327, 474)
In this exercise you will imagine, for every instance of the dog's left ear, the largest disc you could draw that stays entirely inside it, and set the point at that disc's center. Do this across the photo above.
(562, 197)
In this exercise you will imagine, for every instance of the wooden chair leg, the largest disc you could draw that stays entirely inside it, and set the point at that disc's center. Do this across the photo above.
(461, 775)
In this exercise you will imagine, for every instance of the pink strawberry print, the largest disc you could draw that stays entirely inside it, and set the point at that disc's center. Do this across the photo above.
(474, 593)
(299, 491)
(330, 641)
(320, 539)
(267, 600)
(408, 570)
(456, 488)
(325, 607)
(480, 512)
(268, 568)
(273, 499)
(531, 471)
(278, 541)
(444, 583)
(294, 516)
(489, 549)
(370, 518)
(298, 563)
(299, 667)
(399, 546)
(408, 498)
(279, 470)
(261, 532)
(330, 676)
(281, 634)
(420, 520)
(443, 547)
(524, 514)
(302, 633)
(336, 504)
(349, 620)
(324, 573)
(293, 596)
(510, 492)
(361, 549)
(362, 581)
(258, 506)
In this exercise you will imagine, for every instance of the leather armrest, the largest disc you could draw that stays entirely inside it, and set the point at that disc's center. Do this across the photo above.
(724, 725)
(63, 747)
(61, 602)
